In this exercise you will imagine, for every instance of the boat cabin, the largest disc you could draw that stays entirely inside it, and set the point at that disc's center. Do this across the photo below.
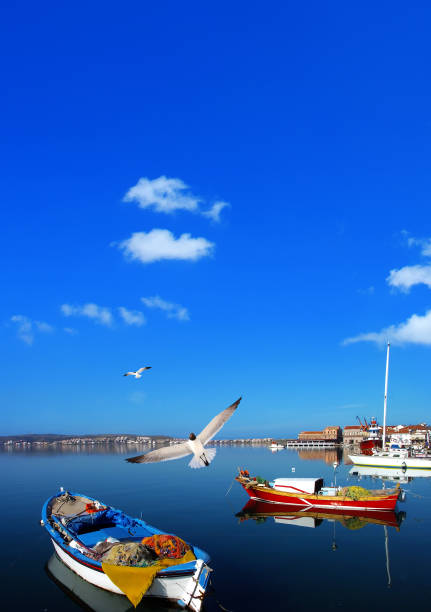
(298, 485)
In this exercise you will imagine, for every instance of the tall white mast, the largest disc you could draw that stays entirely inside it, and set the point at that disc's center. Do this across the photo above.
(386, 399)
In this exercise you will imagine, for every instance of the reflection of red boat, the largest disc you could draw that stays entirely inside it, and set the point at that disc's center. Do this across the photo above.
(311, 493)
(310, 517)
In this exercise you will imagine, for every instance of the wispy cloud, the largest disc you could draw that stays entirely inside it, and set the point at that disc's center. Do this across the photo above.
(423, 243)
(132, 317)
(167, 195)
(159, 244)
(215, 210)
(99, 314)
(408, 276)
(163, 194)
(173, 311)
(416, 330)
(26, 328)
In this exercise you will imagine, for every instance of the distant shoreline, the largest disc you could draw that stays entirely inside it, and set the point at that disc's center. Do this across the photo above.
(46, 440)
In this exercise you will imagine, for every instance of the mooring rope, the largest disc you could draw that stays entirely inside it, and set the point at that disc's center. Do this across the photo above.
(212, 592)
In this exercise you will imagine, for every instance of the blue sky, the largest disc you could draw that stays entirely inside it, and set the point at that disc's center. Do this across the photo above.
(236, 194)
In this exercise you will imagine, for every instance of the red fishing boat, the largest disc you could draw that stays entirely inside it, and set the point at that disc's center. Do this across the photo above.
(374, 439)
(311, 493)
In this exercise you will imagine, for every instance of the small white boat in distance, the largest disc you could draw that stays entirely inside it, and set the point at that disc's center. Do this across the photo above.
(275, 446)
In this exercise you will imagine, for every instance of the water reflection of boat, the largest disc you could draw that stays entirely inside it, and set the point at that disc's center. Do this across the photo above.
(391, 474)
(91, 597)
(309, 517)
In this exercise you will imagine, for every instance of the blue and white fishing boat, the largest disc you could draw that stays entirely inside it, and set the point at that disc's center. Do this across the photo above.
(83, 530)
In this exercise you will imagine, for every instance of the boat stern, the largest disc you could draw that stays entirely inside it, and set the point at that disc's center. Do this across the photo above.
(194, 589)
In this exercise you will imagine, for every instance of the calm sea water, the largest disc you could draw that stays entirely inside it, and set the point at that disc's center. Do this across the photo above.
(258, 565)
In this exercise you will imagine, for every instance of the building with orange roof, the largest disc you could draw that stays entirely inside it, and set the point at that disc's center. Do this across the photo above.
(332, 433)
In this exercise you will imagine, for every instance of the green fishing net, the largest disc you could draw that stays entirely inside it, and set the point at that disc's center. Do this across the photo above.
(354, 492)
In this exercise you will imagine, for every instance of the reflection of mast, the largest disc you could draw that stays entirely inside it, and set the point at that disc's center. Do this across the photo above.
(387, 557)
(334, 543)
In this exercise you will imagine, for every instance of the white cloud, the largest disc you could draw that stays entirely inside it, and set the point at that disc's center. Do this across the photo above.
(132, 317)
(159, 244)
(423, 243)
(100, 314)
(416, 330)
(167, 195)
(43, 327)
(215, 210)
(173, 311)
(408, 276)
(163, 194)
(26, 328)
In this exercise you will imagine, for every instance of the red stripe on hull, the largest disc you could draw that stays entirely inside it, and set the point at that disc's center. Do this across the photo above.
(322, 501)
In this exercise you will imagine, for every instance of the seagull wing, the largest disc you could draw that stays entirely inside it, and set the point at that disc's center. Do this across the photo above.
(142, 369)
(129, 374)
(167, 453)
(217, 423)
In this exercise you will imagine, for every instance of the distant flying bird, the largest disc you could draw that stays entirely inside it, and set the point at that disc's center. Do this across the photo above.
(195, 444)
(138, 373)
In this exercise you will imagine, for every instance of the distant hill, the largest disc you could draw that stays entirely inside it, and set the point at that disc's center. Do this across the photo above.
(51, 437)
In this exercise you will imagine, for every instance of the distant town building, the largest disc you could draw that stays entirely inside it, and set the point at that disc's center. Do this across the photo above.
(353, 434)
(332, 433)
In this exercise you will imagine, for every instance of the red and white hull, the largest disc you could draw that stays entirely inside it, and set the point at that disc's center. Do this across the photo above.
(380, 501)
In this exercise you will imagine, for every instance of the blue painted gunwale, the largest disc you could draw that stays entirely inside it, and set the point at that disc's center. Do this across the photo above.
(170, 572)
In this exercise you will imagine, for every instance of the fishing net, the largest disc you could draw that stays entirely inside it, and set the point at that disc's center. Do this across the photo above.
(354, 492)
(354, 522)
(132, 554)
(133, 567)
(166, 546)
(261, 480)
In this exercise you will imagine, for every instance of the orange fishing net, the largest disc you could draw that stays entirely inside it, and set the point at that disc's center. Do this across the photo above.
(166, 546)
(91, 507)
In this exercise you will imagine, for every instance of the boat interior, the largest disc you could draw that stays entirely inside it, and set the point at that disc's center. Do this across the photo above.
(91, 523)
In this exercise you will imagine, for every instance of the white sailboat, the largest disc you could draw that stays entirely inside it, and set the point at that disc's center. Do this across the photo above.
(392, 458)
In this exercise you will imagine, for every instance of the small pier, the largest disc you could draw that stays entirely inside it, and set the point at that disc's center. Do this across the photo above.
(311, 444)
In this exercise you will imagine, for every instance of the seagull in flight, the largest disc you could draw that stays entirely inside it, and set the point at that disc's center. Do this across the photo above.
(195, 445)
(138, 373)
